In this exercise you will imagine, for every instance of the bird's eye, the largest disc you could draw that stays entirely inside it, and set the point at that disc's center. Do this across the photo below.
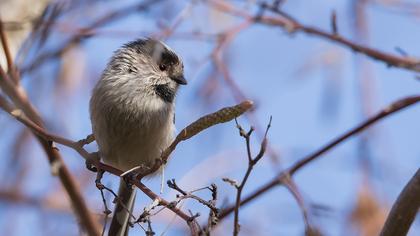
(130, 70)
(162, 67)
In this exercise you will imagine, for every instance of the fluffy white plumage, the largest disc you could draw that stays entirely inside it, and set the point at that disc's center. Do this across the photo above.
(132, 113)
(131, 121)
(130, 130)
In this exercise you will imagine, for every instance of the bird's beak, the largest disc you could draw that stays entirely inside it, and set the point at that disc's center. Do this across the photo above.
(179, 79)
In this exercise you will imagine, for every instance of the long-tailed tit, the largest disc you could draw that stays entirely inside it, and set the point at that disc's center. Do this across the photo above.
(132, 112)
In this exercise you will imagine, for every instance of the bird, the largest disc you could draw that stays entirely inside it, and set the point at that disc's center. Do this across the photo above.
(132, 111)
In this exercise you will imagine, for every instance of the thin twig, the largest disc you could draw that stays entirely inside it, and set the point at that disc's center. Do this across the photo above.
(101, 187)
(213, 216)
(279, 178)
(191, 221)
(251, 163)
(172, 184)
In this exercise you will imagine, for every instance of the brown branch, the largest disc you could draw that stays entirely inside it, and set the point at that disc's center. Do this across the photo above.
(20, 116)
(404, 210)
(75, 145)
(18, 96)
(394, 107)
(279, 179)
(101, 166)
(221, 116)
(291, 25)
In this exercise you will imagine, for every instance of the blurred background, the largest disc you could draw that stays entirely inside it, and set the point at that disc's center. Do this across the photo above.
(314, 90)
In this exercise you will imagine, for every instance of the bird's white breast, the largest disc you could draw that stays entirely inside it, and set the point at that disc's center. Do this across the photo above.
(130, 130)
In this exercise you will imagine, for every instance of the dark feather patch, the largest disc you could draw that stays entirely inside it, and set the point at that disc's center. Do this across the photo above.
(165, 92)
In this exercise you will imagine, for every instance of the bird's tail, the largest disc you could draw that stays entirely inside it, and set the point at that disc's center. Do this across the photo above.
(123, 210)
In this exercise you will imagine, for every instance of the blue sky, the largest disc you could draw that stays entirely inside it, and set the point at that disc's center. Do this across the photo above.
(287, 77)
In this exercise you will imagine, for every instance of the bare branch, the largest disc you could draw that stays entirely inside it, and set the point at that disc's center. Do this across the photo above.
(172, 184)
(18, 96)
(223, 115)
(404, 210)
(251, 163)
(292, 25)
(279, 179)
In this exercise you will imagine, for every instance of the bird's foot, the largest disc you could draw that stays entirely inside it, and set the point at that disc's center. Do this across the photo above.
(90, 163)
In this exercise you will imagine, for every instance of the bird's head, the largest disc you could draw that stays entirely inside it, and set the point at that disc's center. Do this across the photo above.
(147, 66)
